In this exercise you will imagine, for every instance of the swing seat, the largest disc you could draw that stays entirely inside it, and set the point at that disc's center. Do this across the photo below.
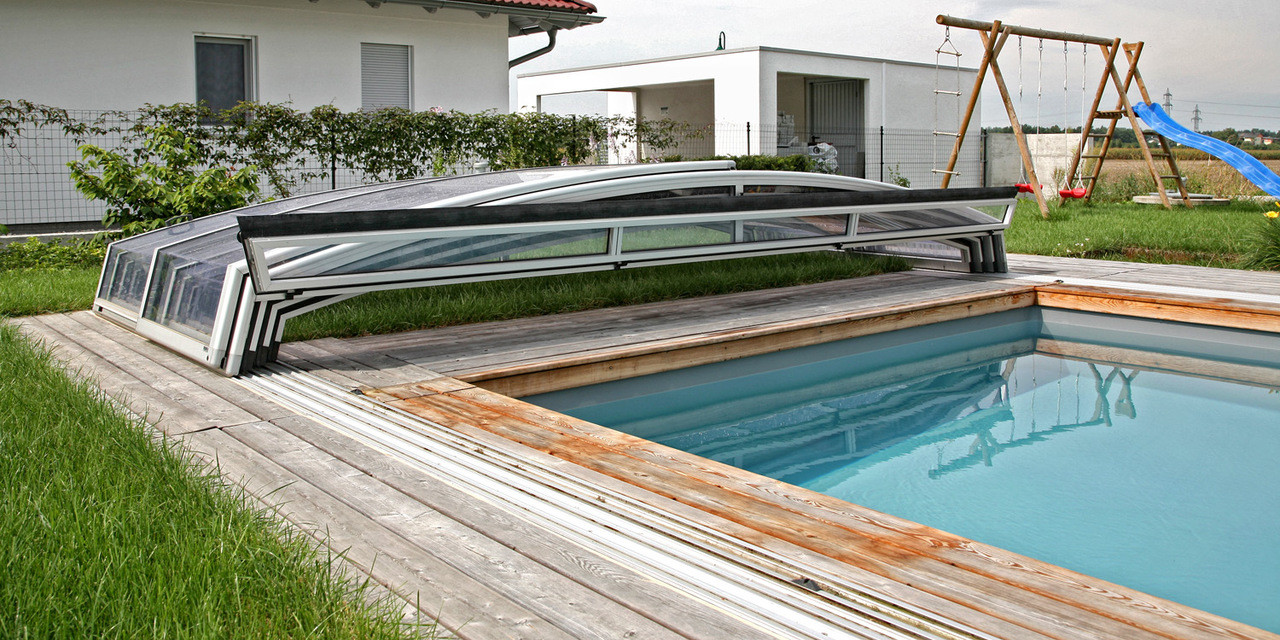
(1078, 192)
(1024, 187)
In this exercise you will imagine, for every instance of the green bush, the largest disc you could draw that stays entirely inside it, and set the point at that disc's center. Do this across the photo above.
(162, 184)
(34, 254)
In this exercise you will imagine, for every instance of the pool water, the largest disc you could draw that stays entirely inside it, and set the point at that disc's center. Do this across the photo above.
(1152, 465)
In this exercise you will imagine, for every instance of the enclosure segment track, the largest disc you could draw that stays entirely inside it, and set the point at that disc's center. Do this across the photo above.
(780, 596)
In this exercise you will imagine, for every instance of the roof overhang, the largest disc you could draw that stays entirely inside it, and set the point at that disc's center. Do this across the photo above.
(521, 21)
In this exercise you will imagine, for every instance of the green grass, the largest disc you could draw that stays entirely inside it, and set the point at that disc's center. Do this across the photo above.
(1211, 236)
(28, 292)
(407, 309)
(108, 533)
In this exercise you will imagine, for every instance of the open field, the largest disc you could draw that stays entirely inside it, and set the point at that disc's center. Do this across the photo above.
(1203, 176)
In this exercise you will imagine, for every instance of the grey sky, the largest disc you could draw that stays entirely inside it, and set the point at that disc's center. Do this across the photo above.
(1223, 55)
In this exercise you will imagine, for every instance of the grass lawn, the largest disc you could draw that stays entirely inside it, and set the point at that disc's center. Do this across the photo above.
(108, 533)
(29, 292)
(406, 309)
(1210, 236)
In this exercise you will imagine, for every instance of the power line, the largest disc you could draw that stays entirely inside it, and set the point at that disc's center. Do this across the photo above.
(1240, 115)
(1237, 104)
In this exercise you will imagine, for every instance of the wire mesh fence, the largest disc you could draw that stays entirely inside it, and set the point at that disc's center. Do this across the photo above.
(37, 194)
(908, 157)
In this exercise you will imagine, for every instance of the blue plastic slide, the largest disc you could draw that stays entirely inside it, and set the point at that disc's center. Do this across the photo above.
(1247, 165)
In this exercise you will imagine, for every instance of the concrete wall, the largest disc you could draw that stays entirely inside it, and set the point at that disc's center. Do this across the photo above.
(1004, 164)
(1051, 155)
(119, 54)
(693, 103)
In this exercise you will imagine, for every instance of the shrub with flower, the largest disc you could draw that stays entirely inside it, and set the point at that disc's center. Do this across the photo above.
(1266, 251)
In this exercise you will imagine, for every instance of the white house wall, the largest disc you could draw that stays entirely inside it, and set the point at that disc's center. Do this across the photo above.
(751, 85)
(736, 80)
(120, 54)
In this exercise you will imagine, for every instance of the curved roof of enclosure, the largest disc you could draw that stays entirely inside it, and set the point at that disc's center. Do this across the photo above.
(192, 284)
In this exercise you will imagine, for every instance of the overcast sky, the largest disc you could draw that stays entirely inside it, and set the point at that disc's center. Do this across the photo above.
(1223, 55)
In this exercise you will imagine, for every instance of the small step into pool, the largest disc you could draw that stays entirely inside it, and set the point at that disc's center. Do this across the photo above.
(1141, 452)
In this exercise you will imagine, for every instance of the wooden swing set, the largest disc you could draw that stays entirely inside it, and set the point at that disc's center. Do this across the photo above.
(994, 35)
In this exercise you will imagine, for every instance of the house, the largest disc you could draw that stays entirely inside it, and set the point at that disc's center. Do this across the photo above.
(416, 54)
(90, 56)
(779, 101)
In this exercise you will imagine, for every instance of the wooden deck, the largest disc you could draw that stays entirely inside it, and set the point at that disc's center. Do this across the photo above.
(498, 568)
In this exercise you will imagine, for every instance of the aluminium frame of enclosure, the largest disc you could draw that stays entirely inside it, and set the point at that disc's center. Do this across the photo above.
(268, 294)
(306, 257)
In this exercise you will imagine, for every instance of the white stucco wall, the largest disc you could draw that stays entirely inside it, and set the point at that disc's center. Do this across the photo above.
(119, 54)
(735, 78)
(751, 85)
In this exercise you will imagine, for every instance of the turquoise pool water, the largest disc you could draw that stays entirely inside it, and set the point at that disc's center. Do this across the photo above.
(1152, 465)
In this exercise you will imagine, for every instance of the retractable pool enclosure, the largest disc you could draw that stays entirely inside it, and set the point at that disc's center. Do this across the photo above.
(219, 289)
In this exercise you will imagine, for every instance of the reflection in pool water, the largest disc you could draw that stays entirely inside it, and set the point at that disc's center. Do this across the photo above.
(1014, 432)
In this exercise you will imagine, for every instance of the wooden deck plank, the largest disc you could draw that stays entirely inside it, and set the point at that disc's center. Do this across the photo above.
(315, 361)
(214, 382)
(984, 599)
(730, 321)
(580, 612)
(1223, 280)
(184, 393)
(622, 586)
(461, 351)
(141, 396)
(343, 369)
(1046, 593)
(465, 607)
(620, 321)
(849, 577)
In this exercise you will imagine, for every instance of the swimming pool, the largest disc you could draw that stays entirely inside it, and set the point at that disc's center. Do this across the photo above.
(1137, 451)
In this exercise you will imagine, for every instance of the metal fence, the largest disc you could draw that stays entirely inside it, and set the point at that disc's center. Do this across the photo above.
(37, 195)
(909, 157)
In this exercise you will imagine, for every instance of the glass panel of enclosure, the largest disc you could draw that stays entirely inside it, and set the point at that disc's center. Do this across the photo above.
(672, 236)
(921, 219)
(753, 189)
(791, 228)
(725, 190)
(422, 192)
(187, 281)
(399, 255)
(129, 261)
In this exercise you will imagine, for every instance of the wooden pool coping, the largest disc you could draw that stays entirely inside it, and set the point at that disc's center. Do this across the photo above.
(628, 361)
(972, 583)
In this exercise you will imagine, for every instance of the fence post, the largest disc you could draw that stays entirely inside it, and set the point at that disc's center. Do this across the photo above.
(748, 138)
(881, 153)
(983, 147)
(333, 164)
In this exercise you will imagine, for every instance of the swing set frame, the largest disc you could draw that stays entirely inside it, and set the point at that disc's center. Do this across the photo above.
(994, 36)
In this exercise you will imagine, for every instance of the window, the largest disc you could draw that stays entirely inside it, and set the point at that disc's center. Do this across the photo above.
(384, 76)
(224, 71)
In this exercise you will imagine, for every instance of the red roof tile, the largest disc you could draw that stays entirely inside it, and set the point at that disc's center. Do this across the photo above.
(576, 6)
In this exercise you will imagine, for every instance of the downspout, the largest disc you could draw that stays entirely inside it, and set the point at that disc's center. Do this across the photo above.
(551, 44)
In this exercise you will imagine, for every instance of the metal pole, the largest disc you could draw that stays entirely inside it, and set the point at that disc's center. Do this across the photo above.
(333, 166)
(881, 153)
(748, 138)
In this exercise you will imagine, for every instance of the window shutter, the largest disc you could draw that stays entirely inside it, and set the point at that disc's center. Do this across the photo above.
(384, 76)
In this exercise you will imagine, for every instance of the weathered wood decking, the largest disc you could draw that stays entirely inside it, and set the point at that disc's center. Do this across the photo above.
(487, 572)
